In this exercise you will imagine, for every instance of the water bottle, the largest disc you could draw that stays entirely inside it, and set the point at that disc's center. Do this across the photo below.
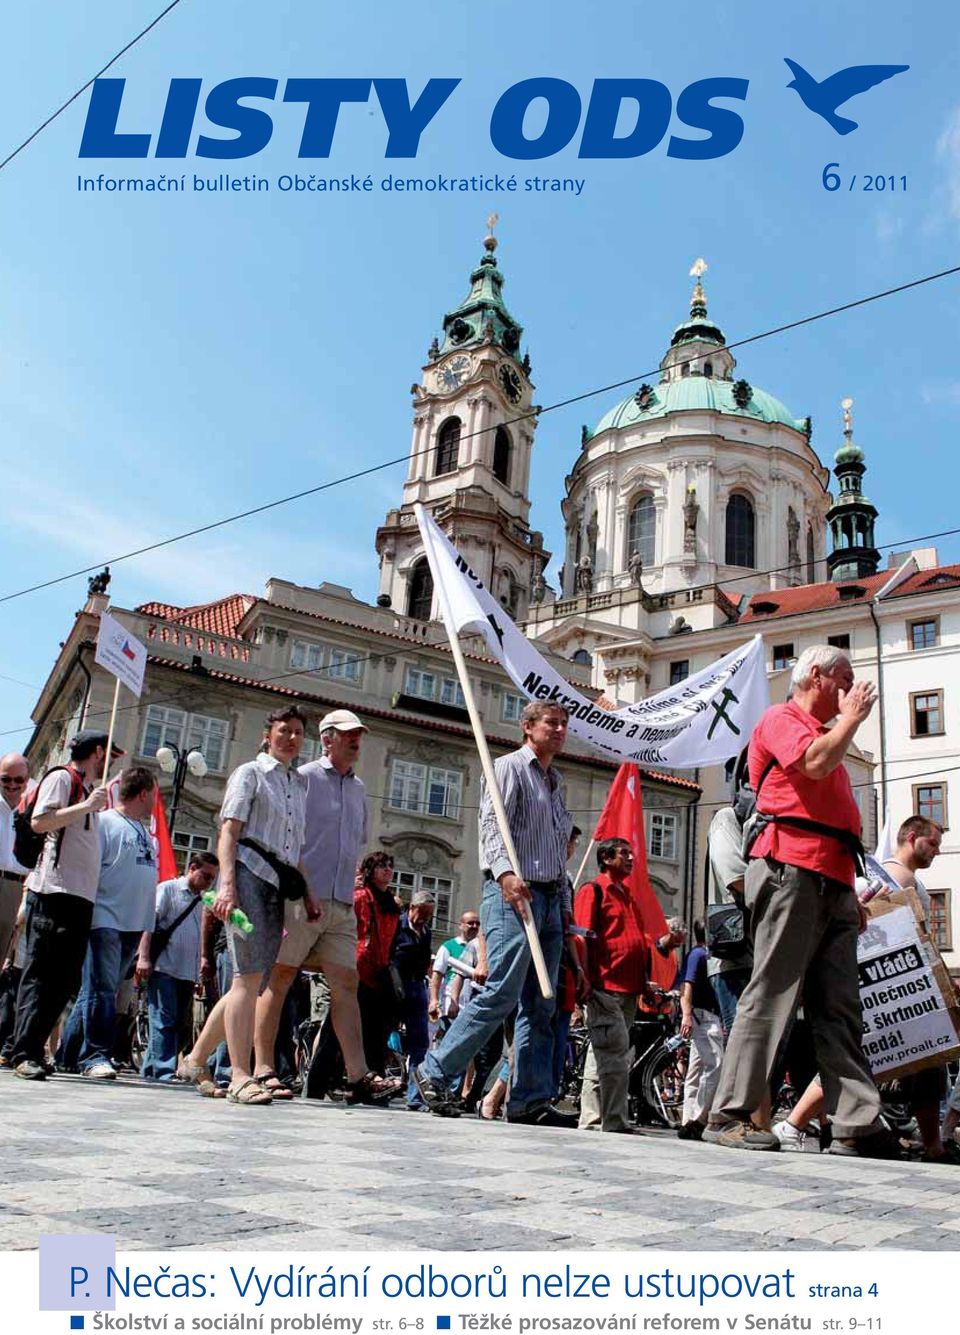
(237, 916)
(674, 1042)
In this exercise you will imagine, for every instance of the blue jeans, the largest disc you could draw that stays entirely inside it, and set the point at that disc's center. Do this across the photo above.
(728, 989)
(512, 980)
(169, 1006)
(417, 1037)
(94, 1015)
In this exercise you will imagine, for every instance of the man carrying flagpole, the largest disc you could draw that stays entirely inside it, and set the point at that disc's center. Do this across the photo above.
(539, 824)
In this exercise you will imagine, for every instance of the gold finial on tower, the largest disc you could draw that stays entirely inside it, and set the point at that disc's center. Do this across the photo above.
(847, 406)
(698, 302)
(490, 241)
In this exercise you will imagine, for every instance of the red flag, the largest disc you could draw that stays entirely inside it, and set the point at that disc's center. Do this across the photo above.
(166, 861)
(622, 818)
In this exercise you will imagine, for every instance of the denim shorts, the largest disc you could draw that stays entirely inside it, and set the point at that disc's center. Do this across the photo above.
(263, 905)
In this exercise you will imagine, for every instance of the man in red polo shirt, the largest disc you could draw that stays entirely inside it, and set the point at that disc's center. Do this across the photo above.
(617, 971)
(805, 916)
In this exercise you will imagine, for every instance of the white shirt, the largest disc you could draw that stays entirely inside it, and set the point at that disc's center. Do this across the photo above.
(7, 861)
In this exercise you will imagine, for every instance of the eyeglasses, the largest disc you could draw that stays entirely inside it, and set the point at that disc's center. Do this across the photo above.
(10, 781)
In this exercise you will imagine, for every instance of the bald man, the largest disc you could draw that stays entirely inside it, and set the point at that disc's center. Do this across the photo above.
(14, 780)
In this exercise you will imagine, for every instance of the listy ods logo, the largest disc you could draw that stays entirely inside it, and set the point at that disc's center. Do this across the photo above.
(531, 120)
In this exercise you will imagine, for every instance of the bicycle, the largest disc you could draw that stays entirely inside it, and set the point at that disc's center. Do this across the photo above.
(658, 1069)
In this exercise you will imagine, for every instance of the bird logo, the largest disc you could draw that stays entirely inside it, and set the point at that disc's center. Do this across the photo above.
(825, 96)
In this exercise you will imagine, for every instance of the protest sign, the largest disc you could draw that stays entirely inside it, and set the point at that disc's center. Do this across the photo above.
(910, 1014)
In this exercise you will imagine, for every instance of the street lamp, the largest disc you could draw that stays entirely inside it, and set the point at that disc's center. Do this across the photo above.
(176, 762)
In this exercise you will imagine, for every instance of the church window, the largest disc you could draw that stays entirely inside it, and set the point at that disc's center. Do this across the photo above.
(679, 671)
(642, 530)
(708, 368)
(741, 531)
(685, 368)
(501, 455)
(421, 591)
(448, 447)
(811, 557)
(581, 656)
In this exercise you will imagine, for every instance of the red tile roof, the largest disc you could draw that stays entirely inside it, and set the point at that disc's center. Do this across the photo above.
(422, 724)
(818, 597)
(221, 617)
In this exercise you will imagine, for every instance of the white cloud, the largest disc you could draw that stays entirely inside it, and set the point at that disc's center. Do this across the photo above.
(948, 150)
(887, 228)
(76, 531)
(940, 392)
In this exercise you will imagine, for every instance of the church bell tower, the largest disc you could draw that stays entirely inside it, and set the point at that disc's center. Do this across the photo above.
(473, 428)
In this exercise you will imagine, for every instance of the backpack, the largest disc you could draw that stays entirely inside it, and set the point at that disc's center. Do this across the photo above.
(728, 925)
(27, 843)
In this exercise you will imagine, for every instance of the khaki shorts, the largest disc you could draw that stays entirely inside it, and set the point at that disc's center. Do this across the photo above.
(331, 941)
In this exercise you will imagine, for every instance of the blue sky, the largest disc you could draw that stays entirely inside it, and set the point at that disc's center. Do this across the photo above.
(167, 359)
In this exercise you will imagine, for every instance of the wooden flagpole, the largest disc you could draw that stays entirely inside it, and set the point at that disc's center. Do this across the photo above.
(493, 788)
(113, 723)
(578, 879)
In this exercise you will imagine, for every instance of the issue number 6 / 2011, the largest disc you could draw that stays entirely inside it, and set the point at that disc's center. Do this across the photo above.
(831, 179)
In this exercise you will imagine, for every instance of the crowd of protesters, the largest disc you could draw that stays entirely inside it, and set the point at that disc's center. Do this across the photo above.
(89, 921)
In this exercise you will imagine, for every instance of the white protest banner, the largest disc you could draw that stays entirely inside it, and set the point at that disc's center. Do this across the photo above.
(702, 721)
(909, 1009)
(121, 653)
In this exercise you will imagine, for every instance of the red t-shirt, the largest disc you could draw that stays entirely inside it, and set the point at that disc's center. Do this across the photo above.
(620, 956)
(785, 732)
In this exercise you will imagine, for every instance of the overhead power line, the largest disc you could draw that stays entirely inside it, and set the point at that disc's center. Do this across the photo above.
(83, 88)
(404, 458)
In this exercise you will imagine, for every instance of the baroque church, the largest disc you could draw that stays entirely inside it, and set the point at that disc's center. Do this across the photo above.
(697, 514)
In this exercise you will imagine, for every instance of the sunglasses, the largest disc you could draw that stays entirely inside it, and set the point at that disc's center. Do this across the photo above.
(18, 782)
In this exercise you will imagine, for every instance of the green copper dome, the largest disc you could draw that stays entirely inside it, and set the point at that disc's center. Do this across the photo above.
(697, 393)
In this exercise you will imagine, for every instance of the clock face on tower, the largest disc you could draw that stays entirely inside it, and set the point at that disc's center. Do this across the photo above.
(453, 373)
(510, 383)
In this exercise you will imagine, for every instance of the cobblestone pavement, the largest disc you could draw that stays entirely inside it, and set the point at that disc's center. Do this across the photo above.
(162, 1168)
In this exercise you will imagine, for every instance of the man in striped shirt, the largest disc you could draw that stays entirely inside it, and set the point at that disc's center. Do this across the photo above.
(540, 824)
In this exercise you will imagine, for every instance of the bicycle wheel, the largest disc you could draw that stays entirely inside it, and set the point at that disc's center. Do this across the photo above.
(663, 1087)
(139, 1037)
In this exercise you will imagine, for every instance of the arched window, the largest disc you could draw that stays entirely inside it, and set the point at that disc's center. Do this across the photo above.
(448, 446)
(420, 600)
(811, 557)
(501, 455)
(741, 531)
(581, 656)
(708, 368)
(642, 530)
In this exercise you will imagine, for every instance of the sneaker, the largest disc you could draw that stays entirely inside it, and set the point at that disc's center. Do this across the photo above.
(881, 1144)
(544, 1116)
(102, 1071)
(28, 1070)
(741, 1136)
(690, 1131)
(438, 1098)
(790, 1136)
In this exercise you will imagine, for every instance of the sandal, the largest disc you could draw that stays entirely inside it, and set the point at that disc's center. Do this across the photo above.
(197, 1075)
(272, 1083)
(371, 1089)
(250, 1092)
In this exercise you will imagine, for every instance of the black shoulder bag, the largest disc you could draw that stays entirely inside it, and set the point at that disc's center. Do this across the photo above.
(160, 938)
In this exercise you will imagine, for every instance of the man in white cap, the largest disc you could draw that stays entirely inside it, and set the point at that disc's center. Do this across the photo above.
(322, 934)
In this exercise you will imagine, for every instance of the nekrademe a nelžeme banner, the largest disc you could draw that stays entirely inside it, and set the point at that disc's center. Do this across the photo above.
(703, 721)
(909, 1013)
